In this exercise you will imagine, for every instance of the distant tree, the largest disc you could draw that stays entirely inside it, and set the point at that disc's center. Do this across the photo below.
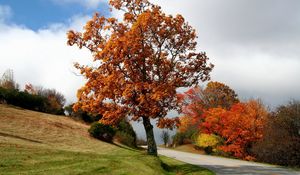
(197, 100)
(218, 94)
(281, 141)
(165, 136)
(30, 89)
(55, 100)
(141, 61)
(69, 109)
(53, 95)
(7, 81)
(215, 94)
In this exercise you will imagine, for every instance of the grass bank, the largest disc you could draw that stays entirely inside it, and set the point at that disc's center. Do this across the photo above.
(38, 143)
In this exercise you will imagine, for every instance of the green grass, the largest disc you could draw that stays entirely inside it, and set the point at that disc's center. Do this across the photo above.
(38, 143)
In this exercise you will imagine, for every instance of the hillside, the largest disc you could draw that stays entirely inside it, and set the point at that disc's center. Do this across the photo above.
(38, 143)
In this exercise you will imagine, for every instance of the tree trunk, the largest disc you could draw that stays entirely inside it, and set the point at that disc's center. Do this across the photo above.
(152, 149)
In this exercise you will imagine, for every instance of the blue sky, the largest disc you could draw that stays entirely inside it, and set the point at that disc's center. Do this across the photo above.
(37, 14)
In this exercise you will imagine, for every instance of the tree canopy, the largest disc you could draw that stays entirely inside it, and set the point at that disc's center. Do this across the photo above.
(141, 60)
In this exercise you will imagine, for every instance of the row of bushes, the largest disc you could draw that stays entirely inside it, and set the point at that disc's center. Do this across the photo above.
(28, 101)
(22, 99)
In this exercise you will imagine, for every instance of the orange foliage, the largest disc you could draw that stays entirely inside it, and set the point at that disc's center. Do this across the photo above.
(143, 60)
(30, 89)
(240, 126)
(218, 94)
(185, 124)
(196, 101)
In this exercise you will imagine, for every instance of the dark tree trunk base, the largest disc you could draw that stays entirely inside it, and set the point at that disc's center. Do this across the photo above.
(152, 149)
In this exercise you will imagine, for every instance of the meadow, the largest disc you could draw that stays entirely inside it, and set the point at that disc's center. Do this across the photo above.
(38, 143)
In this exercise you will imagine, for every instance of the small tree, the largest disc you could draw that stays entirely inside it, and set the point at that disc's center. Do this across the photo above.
(7, 81)
(141, 61)
(218, 94)
(196, 100)
(165, 137)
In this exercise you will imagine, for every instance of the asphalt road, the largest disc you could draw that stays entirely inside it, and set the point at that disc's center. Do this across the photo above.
(227, 166)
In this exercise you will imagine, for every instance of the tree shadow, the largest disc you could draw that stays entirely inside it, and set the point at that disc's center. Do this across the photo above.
(182, 168)
(18, 137)
(250, 169)
(126, 147)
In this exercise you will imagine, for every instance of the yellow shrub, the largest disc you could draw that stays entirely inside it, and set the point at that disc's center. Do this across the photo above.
(208, 140)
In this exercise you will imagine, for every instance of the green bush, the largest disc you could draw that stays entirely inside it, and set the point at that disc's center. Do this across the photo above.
(126, 139)
(102, 132)
(23, 99)
(2, 95)
(126, 134)
(82, 115)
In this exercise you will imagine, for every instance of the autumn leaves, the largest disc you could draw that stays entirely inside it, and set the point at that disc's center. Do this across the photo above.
(216, 110)
(143, 60)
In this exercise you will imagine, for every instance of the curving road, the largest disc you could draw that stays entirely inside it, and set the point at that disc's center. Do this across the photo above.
(225, 166)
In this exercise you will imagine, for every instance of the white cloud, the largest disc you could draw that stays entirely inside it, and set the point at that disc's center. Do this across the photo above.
(5, 12)
(92, 4)
(253, 44)
(42, 57)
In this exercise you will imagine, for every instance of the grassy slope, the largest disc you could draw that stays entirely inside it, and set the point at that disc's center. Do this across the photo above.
(38, 143)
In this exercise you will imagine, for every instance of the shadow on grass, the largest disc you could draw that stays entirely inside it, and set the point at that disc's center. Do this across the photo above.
(126, 147)
(18, 137)
(181, 168)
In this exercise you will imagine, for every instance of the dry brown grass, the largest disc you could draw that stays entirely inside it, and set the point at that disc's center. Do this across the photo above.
(46, 130)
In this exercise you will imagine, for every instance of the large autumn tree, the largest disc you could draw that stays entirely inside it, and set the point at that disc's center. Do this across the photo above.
(140, 62)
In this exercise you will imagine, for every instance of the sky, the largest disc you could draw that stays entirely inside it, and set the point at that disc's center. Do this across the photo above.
(254, 44)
